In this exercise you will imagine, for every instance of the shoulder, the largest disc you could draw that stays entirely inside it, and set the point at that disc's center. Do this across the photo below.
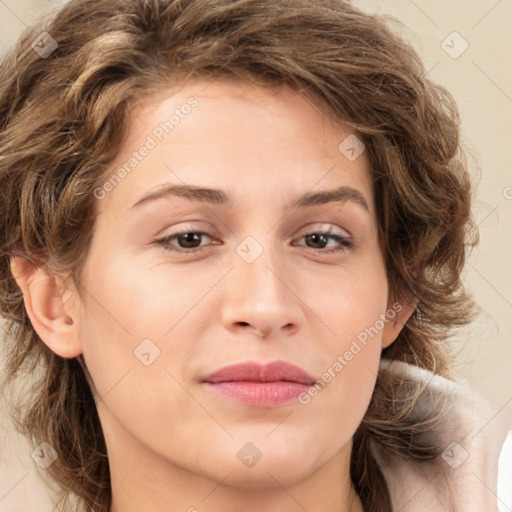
(464, 477)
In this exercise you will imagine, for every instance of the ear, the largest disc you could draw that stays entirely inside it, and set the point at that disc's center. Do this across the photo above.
(48, 305)
(397, 315)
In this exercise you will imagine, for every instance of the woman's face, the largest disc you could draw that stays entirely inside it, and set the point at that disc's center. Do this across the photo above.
(253, 281)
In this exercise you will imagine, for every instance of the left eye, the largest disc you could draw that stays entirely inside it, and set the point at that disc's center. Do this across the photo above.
(321, 237)
(188, 240)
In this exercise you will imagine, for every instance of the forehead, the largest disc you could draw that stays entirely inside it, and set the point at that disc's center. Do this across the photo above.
(238, 134)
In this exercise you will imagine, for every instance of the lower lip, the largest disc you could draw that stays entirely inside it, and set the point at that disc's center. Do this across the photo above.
(259, 394)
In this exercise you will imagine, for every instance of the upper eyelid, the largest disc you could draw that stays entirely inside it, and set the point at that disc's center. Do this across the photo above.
(320, 226)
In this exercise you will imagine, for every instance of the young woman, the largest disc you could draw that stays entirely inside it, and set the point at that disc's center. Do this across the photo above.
(232, 236)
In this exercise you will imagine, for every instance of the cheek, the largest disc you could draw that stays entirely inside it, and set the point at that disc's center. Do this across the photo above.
(354, 307)
(124, 319)
(338, 402)
(352, 303)
(126, 305)
(137, 333)
(115, 320)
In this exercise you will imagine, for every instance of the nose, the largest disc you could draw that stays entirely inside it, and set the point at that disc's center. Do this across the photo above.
(260, 297)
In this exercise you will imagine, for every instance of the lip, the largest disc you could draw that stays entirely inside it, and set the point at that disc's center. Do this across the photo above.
(260, 385)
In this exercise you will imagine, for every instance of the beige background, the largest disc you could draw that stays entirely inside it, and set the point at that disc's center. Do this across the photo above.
(481, 81)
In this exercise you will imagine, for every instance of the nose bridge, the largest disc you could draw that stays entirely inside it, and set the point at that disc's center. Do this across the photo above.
(260, 292)
(260, 266)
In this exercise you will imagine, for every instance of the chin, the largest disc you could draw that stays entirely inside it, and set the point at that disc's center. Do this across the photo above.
(268, 475)
(265, 465)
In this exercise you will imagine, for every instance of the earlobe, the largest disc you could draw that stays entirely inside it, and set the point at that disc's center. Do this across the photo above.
(46, 301)
(397, 315)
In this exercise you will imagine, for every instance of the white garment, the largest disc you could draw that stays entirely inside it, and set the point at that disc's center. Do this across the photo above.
(472, 436)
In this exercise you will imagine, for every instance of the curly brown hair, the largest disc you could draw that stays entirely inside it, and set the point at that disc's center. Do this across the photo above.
(63, 119)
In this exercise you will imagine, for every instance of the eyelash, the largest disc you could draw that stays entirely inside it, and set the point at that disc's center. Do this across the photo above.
(345, 243)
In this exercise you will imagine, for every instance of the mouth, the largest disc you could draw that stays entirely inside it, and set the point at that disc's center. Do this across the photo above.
(269, 385)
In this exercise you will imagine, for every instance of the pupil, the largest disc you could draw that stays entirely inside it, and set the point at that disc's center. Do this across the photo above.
(189, 237)
(317, 238)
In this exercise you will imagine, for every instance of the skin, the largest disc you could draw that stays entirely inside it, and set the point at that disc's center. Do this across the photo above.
(172, 443)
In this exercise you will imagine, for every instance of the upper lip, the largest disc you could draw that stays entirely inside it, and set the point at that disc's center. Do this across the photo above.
(256, 372)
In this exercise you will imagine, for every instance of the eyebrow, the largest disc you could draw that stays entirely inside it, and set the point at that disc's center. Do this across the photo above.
(220, 197)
